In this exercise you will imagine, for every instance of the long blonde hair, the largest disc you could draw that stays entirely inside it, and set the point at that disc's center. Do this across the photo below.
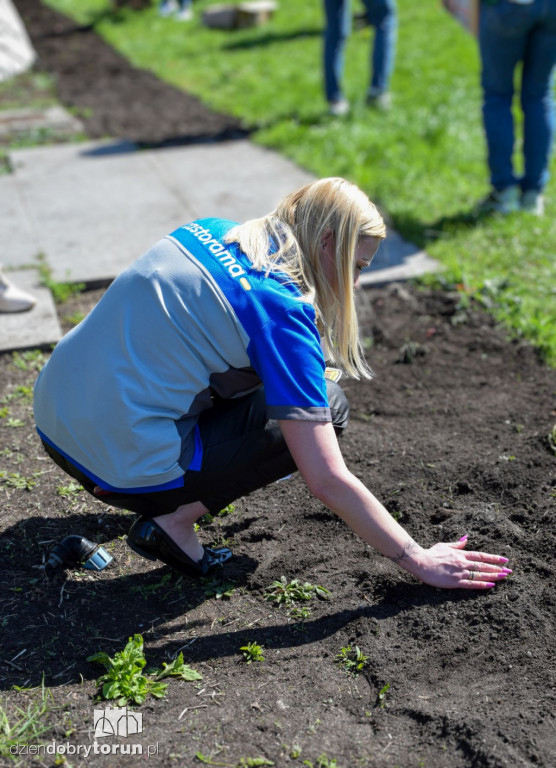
(289, 239)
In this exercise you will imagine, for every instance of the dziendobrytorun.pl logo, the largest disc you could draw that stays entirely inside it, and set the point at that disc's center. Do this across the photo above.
(116, 721)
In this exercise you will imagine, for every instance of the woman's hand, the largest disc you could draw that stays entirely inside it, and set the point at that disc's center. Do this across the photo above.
(450, 567)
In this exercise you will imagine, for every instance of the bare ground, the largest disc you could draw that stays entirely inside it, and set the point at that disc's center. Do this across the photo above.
(453, 436)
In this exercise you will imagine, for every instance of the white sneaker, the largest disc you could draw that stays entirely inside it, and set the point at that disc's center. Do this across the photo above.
(338, 108)
(379, 99)
(532, 201)
(504, 201)
(185, 14)
(13, 299)
(167, 8)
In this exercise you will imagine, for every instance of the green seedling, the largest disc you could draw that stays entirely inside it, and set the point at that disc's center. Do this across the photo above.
(221, 590)
(284, 593)
(178, 668)
(32, 360)
(18, 481)
(229, 510)
(381, 697)
(551, 437)
(300, 613)
(323, 761)
(21, 392)
(353, 660)
(252, 652)
(75, 318)
(146, 590)
(70, 490)
(244, 762)
(14, 423)
(28, 726)
(124, 679)
(61, 291)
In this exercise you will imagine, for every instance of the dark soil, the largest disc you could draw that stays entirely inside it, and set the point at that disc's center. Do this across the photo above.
(452, 434)
(111, 97)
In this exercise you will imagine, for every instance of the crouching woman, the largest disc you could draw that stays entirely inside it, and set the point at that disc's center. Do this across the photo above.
(199, 377)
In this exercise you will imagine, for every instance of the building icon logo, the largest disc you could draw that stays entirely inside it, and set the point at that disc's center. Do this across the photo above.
(117, 721)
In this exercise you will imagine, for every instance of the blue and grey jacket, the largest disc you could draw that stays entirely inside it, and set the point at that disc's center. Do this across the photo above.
(122, 392)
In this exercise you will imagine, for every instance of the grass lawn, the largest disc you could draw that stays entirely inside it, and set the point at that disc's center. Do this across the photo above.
(423, 162)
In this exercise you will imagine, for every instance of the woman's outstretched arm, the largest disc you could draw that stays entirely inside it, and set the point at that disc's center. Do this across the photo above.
(316, 452)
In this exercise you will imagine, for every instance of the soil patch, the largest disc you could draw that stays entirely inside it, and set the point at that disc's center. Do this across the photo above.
(453, 440)
(452, 435)
(111, 97)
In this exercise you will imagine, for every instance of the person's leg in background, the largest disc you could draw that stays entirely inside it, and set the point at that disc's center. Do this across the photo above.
(336, 33)
(537, 102)
(382, 15)
(503, 32)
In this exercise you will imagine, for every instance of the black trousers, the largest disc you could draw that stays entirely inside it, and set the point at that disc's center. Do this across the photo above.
(242, 452)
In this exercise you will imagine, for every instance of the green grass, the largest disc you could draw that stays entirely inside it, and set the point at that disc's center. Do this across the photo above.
(423, 162)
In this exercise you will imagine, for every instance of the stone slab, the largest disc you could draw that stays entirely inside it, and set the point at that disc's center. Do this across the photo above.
(19, 242)
(56, 120)
(93, 208)
(397, 260)
(39, 327)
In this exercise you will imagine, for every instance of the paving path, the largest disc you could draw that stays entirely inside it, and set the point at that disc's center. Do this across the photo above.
(90, 209)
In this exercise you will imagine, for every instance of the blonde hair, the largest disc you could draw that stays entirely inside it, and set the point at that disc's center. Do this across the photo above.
(288, 241)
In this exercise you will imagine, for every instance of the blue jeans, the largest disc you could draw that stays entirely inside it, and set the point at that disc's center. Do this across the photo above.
(381, 14)
(510, 33)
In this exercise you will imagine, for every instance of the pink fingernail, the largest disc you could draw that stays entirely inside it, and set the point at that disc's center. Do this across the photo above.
(507, 570)
(504, 560)
(490, 584)
(465, 537)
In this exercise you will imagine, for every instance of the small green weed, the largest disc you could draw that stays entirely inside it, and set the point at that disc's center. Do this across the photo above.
(31, 360)
(252, 652)
(18, 481)
(353, 660)
(75, 318)
(61, 291)
(28, 726)
(551, 437)
(146, 590)
(124, 679)
(21, 392)
(323, 761)
(229, 510)
(381, 696)
(214, 587)
(14, 423)
(284, 593)
(244, 762)
(178, 668)
(71, 490)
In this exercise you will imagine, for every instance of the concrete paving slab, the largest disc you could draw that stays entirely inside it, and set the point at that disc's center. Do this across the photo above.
(93, 208)
(39, 327)
(397, 260)
(19, 243)
(56, 120)
(235, 180)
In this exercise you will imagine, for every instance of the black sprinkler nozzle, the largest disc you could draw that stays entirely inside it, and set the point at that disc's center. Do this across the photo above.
(77, 550)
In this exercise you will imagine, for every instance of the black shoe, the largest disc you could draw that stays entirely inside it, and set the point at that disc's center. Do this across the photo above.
(149, 540)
